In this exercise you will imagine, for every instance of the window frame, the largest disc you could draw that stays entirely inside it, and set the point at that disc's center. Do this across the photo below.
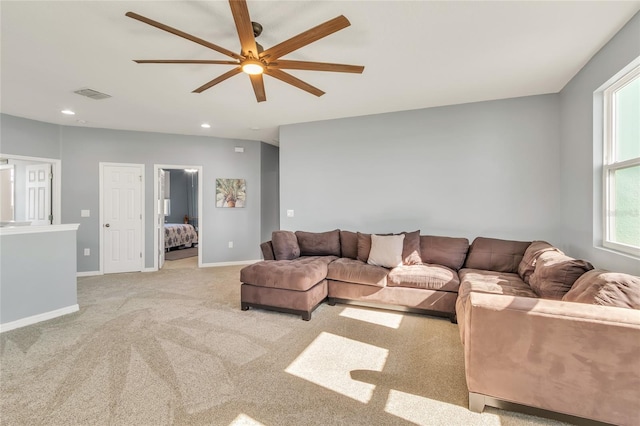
(610, 165)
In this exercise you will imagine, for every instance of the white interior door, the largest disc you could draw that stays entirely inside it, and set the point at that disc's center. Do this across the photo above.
(160, 223)
(122, 218)
(38, 209)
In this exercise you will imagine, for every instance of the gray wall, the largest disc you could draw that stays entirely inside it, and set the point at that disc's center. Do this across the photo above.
(483, 169)
(20, 136)
(82, 149)
(270, 170)
(36, 264)
(581, 153)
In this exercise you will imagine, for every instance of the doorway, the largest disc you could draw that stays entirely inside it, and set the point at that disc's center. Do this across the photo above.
(35, 202)
(178, 236)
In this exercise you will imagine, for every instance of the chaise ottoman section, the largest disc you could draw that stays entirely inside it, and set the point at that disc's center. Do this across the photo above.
(293, 286)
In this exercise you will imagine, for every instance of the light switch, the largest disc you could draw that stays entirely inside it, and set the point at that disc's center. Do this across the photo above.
(289, 213)
(85, 213)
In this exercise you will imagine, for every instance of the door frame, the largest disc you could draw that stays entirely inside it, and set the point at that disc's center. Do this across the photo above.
(56, 183)
(156, 242)
(101, 166)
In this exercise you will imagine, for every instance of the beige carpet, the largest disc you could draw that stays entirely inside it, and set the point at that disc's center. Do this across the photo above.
(173, 347)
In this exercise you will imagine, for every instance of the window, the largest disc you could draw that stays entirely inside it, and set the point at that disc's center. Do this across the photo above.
(621, 168)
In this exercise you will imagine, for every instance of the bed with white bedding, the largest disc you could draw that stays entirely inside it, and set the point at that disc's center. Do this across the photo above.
(179, 235)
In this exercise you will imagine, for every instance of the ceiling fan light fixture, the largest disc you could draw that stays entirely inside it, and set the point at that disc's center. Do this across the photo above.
(252, 67)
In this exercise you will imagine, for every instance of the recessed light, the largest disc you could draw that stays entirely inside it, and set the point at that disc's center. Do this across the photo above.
(205, 125)
(67, 112)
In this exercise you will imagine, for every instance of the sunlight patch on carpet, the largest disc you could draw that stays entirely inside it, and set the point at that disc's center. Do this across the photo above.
(244, 420)
(329, 360)
(385, 319)
(416, 409)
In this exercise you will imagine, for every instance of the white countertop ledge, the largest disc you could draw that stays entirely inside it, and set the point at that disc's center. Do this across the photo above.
(16, 230)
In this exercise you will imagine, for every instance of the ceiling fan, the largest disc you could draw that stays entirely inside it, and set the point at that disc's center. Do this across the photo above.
(253, 59)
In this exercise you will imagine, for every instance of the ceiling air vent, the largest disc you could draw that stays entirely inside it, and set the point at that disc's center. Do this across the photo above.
(93, 94)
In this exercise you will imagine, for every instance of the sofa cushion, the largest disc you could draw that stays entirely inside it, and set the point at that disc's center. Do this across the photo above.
(285, 245)
(601, 287)
(446, 251)
(386, 250)
(411, 248)
(355, 271)
(555, 274)
(484, 281)
(300, 274)
(319, 243)
(432, 277)
(364, 246)
(349, 244)
(267, 250)
(531, 254)
(492, 254)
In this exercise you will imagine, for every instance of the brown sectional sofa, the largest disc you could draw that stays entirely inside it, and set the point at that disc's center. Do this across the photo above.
(539, 328)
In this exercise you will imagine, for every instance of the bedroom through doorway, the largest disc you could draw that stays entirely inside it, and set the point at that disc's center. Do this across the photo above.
(179, 233)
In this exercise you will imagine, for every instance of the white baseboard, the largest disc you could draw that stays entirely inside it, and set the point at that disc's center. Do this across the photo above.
(88, 273)
(38, 318)
(241, 262)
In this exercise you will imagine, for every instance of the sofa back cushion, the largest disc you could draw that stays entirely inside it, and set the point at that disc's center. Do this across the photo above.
(555, 274)
(319, 243)
(492, 254)
(285, 245)
(600, 287)
(349, 244)
(531, 254)
(267, 250)
(445, 251)
(410, 247)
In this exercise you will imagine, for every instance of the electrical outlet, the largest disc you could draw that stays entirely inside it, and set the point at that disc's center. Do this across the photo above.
(87, 252)
(289, 213)
(230, 244)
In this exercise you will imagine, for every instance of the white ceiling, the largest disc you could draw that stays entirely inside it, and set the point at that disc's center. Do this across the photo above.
(416, 54)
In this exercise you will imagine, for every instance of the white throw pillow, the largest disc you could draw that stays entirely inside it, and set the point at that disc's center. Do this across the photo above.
(386, 250)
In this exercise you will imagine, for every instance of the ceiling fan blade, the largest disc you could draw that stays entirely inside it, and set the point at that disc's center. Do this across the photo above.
(183, 61)
(305, 38)
(288, 78)
(244, 27)
(258, 87)
(183, 35)
(217, 80)
(315, 66)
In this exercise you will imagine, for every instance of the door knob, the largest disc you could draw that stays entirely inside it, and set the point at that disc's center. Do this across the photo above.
(107, 225)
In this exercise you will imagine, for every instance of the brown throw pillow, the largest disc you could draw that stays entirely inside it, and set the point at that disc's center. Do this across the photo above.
(319, 243)
(600, 287)
(555, 274)
(411, 248)
(364, 246)
(285, 245)
(531, 254)
(349, 244)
